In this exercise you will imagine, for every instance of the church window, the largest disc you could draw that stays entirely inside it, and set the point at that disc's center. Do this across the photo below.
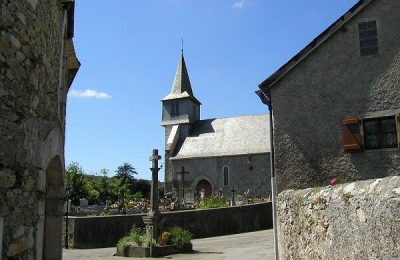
(380, 133)
(175, 109)
(368, 35)
(225, 171)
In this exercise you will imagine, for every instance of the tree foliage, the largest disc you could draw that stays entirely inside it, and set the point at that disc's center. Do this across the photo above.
(77, 185)
(100, 188)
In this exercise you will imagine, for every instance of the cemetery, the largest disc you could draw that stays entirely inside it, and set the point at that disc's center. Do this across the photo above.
(106, 231)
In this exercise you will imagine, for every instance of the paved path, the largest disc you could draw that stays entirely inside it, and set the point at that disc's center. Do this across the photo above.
(253, 245)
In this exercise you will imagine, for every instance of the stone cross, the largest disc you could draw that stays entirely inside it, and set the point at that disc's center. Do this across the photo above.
(154, 210)
(183, 172)
(233, 195)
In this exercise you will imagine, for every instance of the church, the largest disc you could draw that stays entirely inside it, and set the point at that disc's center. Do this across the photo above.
(213, 155)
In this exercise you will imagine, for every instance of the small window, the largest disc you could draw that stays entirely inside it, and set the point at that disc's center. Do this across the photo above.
(380, 133)
(225, 171)
(175, 109)
(368, 35)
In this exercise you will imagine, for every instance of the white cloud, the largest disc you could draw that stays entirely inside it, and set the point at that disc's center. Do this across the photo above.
(238, 4)
(88, 93)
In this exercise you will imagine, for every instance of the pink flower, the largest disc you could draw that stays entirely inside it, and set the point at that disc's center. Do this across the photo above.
(333, 181)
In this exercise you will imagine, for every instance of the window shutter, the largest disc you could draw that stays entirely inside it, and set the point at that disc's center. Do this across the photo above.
(351, 136)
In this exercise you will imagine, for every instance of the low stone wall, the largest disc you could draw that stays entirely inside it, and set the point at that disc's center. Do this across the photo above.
(100, 231)
(96, 232)
(359, 220)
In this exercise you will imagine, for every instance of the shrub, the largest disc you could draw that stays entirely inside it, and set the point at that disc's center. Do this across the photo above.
(147, 242)
(180, 236)
(136, 236)
(165, 238)
(212, 203)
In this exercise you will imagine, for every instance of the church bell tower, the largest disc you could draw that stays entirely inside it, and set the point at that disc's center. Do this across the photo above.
(180, 110)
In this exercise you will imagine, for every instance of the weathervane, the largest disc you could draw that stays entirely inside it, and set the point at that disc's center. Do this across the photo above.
(182, 45)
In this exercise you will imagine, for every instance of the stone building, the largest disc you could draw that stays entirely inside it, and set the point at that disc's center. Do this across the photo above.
(216, 153)
(38, 65)
(336, 104)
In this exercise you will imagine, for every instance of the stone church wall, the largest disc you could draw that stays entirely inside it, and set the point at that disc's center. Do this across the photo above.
(33, 92)
(245, 172)
(310, 101)
(358, 220)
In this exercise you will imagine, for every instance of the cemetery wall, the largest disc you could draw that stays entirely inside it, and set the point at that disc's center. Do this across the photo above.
(358, 220)
(96, 232)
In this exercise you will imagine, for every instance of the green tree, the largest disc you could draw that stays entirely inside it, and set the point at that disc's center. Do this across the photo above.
(79, 185)
(104, 186)
(142, 186)
(125, 174)
(75, 182)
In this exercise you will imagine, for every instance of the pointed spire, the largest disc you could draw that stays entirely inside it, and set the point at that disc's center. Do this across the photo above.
(181, 87)
(182, 81)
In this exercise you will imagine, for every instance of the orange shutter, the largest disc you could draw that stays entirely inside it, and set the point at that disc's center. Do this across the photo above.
(351, 136)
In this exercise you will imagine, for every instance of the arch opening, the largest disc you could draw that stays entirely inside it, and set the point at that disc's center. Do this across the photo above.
(206, 186)
(53, 210)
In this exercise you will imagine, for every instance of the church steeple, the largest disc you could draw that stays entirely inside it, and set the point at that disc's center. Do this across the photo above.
(182, 81)
(181, 88)
(180, 111)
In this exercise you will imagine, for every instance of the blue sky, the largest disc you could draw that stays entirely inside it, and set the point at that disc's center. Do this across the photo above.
(129, 52)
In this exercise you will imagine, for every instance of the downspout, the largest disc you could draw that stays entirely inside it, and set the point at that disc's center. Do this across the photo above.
(267, 100)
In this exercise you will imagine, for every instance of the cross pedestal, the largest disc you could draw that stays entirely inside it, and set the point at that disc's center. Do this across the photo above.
(152, 218)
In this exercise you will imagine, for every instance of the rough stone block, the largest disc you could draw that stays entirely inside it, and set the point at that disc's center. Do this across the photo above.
(7, 178)
(18, 247)
(358, 220)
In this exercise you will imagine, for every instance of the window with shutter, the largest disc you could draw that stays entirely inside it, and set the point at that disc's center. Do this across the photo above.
(351, 136)
(380, 133)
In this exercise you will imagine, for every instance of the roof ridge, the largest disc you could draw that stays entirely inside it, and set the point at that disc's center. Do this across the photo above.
(227, 117)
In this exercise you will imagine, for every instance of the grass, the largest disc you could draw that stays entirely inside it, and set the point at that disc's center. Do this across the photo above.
(211, 203)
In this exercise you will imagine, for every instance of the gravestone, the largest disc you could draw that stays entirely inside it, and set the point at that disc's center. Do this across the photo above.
(83, 202)
(233, 203)
(182, 173)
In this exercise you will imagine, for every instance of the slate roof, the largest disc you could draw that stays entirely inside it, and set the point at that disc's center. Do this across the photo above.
(181, 87)
(226, 137)
(314, 44)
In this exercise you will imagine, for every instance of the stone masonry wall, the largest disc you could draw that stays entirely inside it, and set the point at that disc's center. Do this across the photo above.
(105, 231)
(257, 179)
(32, 118)
(332, 82)
(359, 220)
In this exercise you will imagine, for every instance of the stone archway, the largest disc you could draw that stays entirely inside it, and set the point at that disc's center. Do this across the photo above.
(203, 184)
(53, 217)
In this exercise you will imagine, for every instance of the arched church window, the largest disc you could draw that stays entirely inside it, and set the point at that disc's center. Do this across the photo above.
(225, 171)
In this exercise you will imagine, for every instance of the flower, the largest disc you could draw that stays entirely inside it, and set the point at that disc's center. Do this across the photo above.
(333, 181)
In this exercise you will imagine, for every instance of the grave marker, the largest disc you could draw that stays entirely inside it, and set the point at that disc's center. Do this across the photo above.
(182, 173)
